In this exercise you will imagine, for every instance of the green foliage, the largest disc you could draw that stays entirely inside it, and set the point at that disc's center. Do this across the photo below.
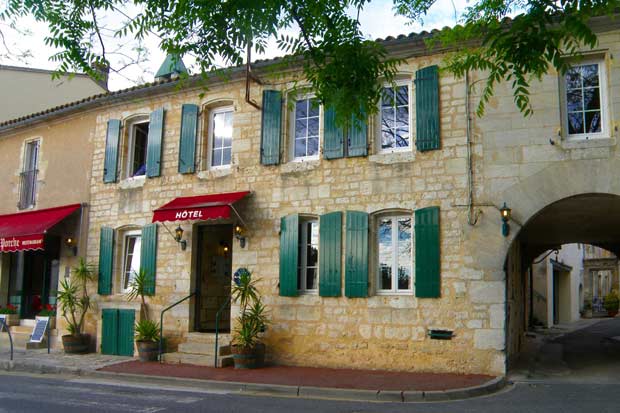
(612, 301)
(10, 309)
(147, 330)
(73, 298)
(252, 319)
(139, 287)
(342, 67)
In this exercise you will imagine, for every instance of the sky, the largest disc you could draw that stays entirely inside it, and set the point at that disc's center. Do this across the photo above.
(377, 21)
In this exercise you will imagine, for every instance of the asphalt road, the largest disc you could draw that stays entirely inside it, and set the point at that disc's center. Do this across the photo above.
(25, 393)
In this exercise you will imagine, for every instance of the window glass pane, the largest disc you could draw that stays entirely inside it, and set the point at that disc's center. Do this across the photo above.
(402, 96)
(593, 122)
(387, 100)
(404, 253)
(301, 129)
(140, 139)
(301, 109)
(226, 156)
(590, 75)
(387, 118)
(131, 259)
(384, 235)
(573, 78)
(387, 138)
(313, 110)
(402, 137)
(574, 100)
(313, 127)
(591, 99)
(217, 157)
(313, 146)
(402, 116)
(300, 148)
(311, 279)
(575, 123)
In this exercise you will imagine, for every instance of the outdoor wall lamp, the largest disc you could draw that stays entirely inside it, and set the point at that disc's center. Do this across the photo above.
(178, 235)
(72, 245)
(239, 235)
(506, 214)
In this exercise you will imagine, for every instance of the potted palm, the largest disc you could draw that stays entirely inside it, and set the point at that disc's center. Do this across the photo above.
(611, 303)
(147, 331)
(247, 349)
(74, 302)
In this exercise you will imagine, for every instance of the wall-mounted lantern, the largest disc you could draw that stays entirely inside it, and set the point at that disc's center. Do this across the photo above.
(239, 231)
(71, 244)
(178, 237)
(506, 214)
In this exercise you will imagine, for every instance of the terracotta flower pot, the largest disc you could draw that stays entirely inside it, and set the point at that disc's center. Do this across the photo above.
(76, 344)
(148, 350)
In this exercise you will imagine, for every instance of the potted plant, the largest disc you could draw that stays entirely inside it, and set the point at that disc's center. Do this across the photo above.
(611, 303)
(12, 317)
(147, 331)
(247, 349)
(587, 308)
(49, 311)
(147, 339)
(74, 303)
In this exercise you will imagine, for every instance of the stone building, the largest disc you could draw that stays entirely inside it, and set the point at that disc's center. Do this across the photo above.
(365, 242)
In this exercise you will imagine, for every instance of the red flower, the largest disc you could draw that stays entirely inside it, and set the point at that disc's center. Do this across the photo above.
(11, 307)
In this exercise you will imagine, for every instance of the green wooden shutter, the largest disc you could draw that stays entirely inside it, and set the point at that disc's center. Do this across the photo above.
(427, 108)
(330, 254)
(427, 248)
(155, 144)
(333, 147)
(289, 255)
(357, 141)
(106, 256)
(110, 163)
(187, 143)
(126, 321)
(271, 127)
(109, 331)
(148, 256)
(356, 255)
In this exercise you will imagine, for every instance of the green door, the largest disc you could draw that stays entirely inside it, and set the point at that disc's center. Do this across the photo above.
(126, 320)
(117, 332)
(109, 331)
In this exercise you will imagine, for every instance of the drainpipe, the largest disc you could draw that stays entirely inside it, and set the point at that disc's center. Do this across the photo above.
(472, 217)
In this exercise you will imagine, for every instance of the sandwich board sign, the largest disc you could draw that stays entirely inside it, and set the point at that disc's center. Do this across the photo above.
(38, 332)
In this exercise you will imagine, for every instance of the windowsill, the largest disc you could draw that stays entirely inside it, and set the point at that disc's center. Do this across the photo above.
(306, 292)
(300, 166)
(581, 143)
(133, 182)
(388, 158)
(399, 293)
(215, 173)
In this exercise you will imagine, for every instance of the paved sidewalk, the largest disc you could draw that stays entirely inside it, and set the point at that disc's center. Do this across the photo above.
(345, 384)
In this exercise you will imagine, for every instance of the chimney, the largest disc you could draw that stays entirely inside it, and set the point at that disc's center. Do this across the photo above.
(103, 73)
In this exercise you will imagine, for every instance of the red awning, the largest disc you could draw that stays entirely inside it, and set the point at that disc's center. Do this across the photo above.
(26, 230)
(201, 207)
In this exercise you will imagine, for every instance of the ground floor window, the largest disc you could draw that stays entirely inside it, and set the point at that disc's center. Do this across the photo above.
(132, 242)
(307, 270)
(394, 250)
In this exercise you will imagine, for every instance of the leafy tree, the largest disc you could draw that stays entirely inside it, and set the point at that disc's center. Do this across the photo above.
(341, 65)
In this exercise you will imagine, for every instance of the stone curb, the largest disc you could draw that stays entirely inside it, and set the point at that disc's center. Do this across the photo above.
(390, 396)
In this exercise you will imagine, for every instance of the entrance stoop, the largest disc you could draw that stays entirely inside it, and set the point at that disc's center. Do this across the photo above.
(199, 349)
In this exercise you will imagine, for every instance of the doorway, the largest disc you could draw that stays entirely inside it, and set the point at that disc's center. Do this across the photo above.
(33, 277)
(213, 277)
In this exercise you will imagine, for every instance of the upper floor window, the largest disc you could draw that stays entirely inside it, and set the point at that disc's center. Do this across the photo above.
(584, 99)
(394, 118)
(132, 242)
(220, 137)
(305, 129)
(308, 267)
(394, 250)
(136, 149)
(28, 176)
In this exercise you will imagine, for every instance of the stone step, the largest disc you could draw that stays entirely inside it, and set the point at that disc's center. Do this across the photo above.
(196, 359)
(207, 338)
(202, 348)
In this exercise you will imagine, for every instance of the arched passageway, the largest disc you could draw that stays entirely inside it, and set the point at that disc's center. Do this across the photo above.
(564, 256)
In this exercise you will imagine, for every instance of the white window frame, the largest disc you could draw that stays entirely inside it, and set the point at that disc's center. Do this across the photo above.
(401, 82)
(303, 261)
(131, 140)
(292, 122)
(602, 75)
(210, 135)
(394, 290)
(126, 236)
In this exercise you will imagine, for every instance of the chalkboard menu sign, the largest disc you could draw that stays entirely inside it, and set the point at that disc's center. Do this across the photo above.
(38, 332)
